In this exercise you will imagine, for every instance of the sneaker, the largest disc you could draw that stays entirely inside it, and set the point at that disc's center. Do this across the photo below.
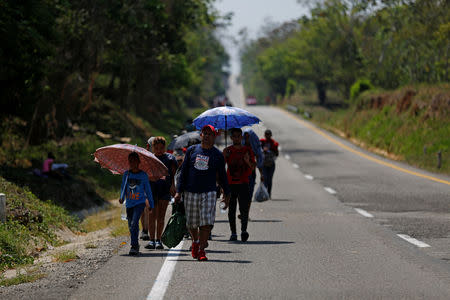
(134, 250)
(202, 255)
(244, 236)
(150, 245)
(145, 236)
(233, 237)
(194, 251)
(158, 245)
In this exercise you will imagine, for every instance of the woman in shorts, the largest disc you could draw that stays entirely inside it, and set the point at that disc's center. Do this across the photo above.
(163, 189)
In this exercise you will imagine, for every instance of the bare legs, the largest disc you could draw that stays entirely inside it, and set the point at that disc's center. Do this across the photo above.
(156, 219)
(202, 234)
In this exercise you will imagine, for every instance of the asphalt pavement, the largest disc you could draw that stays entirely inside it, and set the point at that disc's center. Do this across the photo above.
(331, 231)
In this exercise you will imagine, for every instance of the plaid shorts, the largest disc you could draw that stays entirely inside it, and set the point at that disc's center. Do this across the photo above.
(200, 209)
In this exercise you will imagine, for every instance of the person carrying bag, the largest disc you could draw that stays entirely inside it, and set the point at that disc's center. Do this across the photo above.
(175, 228)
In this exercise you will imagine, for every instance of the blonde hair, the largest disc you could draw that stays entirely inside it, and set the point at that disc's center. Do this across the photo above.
(159, 140)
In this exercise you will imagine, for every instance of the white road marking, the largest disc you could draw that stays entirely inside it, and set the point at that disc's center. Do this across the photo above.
(413, 241)
(330, 190)
(287, 156)
(296, 166)
(364, 213)
(310, 177)
(162, 281)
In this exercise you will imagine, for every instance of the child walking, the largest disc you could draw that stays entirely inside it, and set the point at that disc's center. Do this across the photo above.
(136, 191)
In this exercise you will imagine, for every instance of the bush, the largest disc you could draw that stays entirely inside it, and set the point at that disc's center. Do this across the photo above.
(358, 87)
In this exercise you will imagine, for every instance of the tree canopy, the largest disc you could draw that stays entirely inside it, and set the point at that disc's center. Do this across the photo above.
(389, 42)
(60, 56)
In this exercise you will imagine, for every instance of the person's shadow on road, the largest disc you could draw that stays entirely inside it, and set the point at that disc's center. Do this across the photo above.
(155, 254)
(235, 261)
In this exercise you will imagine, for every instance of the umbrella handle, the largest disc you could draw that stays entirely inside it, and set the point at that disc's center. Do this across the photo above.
(226, 131)
(123, 190)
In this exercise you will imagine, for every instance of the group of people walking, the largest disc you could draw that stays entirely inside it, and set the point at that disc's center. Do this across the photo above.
(195, 180)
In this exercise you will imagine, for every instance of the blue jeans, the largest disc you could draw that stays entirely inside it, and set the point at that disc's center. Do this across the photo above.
(268, 176)
(133, 215)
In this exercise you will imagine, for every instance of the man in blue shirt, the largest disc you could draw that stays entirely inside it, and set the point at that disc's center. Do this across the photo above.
(202, 167)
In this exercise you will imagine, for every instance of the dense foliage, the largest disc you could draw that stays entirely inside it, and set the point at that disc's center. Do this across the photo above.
(58, 57)
(389, 42)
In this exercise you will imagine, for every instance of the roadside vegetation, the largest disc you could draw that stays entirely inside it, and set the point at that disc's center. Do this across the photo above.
(65, 256)
(82, 75)
(107, 219)
(410, 124)
(376, 71)
(30, 226)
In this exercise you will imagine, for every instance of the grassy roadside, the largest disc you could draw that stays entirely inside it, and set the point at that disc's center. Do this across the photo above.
(107, 219)
(30, 226)
(37, 207)
(411, 124)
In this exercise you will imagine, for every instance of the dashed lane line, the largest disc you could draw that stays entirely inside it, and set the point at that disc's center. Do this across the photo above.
(296, 166)
(413, 241)
(330, 190)
(162, 281)
(376, 160)
(310, 177)
(364, 213)
(287, 156)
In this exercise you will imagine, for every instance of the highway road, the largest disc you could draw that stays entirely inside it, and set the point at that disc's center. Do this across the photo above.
(343, 224)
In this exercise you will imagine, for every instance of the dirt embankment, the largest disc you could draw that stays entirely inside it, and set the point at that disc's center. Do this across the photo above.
(428, 102)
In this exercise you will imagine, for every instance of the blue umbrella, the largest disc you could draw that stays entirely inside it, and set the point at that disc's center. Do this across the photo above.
(225, 117)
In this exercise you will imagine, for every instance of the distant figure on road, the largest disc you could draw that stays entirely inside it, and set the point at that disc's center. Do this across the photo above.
(241, 163)
(197, 182)
(252, 140)
(136, 191)
(162, 190)
(270, 150)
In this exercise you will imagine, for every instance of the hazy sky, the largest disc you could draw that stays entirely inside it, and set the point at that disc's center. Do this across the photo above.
(252, 14)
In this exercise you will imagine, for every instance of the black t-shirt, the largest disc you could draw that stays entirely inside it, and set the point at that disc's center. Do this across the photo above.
(171, 163)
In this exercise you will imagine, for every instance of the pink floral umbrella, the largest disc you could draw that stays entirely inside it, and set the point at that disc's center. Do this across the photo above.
(115, 159)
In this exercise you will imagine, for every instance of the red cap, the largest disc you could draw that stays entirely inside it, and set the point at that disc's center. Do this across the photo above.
(210, 127)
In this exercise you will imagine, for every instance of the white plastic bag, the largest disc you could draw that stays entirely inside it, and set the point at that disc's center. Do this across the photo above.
(261, 194)
(123, 211)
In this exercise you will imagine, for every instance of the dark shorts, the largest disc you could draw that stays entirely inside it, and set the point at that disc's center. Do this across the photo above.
(160, 191)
